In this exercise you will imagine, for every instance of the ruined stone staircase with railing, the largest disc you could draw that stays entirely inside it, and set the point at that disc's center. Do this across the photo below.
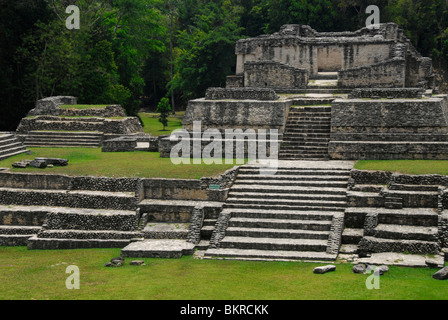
(295, 214)
(307, 134)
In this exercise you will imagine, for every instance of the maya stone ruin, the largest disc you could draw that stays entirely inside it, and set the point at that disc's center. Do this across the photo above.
(331, 98)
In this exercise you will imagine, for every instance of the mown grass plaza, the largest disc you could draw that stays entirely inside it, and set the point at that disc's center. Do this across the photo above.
(234, 153)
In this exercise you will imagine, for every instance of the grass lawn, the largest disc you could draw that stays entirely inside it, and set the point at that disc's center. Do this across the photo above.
(405, 166)
(37, 274)
(93, 162)
(154, 127)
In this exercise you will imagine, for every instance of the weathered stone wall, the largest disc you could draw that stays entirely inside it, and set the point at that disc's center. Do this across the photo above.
(121, 144)
(51, 105)
(107, 112)
(263, 94)
(391, 73)
(272, 74)
(389, 93)
(53, 123)
(34, 181)
(235, 81)
(221, 115)
(389, 129)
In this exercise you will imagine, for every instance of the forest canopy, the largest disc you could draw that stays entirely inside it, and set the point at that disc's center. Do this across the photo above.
(136, 52)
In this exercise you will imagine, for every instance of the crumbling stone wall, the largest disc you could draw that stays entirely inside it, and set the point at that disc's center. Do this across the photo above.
(272, 74)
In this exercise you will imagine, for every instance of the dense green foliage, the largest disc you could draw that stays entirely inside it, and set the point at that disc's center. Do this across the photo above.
(135, 52)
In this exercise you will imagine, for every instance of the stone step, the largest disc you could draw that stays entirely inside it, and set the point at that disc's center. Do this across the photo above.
(13, 150)
(306, 118)
(310, 109)
(301, 139)
(300, 158)
(295, 189)
(91, 219)
(8, 141)
(72, 199)
(280, 214)
(274, 244)
(88, 234)
(316, 170)
(268, 255)
(35, 243)
(325, 136)
(84, 134)
(14, 240)
(285, 196)
(56, 138)
(307, 130)
(276, 233)
(166, 248)
(163, 230)
(413, 187)
(389, 231)
(311, 225)
(285, 202)
(63, 145)
(12, 145)
(352, 235)
(303, 149)
(268, 206)
(297, 171)
(19, 230)
(297, 112)
(321, 177)
(178, 210)
(376, 245)
(23, 215)
(12, 154)
(297, 183)
(424, 217)
(207, 231)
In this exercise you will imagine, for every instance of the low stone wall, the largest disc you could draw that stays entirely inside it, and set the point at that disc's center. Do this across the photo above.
(127, 125)
(34, 181)
(235, 81)
(387, 74)
(107, 112)
(370, 177)
(389, 93)
(121, 144)
(263, 94)
(273, 74)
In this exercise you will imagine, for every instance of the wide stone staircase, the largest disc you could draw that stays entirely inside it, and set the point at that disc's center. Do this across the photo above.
(295, 213)
(307, 134)
(64, 139)
(10, 146)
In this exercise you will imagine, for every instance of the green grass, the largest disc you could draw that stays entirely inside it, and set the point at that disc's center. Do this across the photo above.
(40, 275)
(84, 106)
(417, 167)
(154, 127)
(93, 162)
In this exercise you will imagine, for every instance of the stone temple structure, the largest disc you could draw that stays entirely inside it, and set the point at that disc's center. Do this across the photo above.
(318, 101)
